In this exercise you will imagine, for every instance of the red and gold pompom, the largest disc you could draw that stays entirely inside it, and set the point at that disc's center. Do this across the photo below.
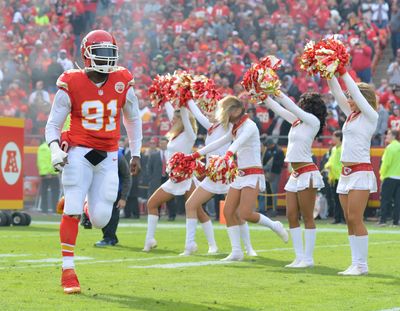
(205, 93)
(181, 89)
(160, 90)
(181, 167)
(222, 169)
(326, 57)
(261, 79)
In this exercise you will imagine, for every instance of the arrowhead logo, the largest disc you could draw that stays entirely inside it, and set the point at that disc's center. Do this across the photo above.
(11, 163)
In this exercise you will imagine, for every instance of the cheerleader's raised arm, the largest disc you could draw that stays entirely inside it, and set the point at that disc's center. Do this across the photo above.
(279, 110)
(362, 103)
(170, 110)
(337, 92)
(199, 115)
(304, 116)
(188, 129)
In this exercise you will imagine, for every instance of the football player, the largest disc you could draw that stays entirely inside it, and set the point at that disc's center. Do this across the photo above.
(93, 97)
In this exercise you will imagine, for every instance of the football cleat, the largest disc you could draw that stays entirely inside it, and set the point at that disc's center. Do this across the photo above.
(69, 281)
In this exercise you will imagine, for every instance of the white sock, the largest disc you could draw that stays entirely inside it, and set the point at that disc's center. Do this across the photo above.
(297, 239)
(245, 236)
(309, 238)
(234, 237)
(209, 232)
(68, 262)
(353, 250)
(361, 243)
(191, 224)
(265, 221)
(152, 221)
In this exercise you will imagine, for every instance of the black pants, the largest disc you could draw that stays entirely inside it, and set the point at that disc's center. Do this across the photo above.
(132, 208)
(390, 191)
(50, 193)
(337, 209)
(110, 230)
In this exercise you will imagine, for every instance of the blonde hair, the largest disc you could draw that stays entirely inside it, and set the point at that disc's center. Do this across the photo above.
(224, 107)
(369, 93)
(178, 127)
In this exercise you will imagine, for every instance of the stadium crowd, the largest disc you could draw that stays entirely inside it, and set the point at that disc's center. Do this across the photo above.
(219, 38)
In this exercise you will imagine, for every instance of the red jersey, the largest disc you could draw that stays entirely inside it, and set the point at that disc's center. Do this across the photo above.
(95, 111)
(393, 122)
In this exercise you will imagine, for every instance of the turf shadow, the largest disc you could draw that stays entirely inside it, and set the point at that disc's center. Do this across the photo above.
(151, 304)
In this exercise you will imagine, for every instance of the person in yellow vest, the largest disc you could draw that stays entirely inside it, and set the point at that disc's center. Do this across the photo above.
(334, 168)
(390, 177)
(49, 184)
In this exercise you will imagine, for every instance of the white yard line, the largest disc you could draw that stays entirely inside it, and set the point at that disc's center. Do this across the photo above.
(393, 309)
(14, 255)
(121, 260)
(58, 260)
(183, 265)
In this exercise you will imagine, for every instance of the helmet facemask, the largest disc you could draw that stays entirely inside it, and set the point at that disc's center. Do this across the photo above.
(103, 57)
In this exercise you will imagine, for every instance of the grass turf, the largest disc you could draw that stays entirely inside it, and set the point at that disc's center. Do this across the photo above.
(123, 277)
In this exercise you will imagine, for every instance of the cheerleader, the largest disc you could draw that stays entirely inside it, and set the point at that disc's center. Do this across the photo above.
(243, 191)
(208, 188)
(307, 121)
(357, 179)
(182, 136)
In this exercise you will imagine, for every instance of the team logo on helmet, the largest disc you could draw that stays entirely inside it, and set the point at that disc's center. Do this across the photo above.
(119, 87)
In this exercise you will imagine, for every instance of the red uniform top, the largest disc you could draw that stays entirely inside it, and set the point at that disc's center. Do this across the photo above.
(95, 111)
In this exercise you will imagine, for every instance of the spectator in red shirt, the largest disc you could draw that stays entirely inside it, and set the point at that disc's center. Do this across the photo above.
(361, 60)
(394, 119)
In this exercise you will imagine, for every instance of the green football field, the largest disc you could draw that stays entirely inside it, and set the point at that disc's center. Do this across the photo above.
(124, 278)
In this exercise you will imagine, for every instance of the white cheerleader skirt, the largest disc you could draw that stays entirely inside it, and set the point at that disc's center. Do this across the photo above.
(356, 178)
(303, 177)
(179, 188)
(249, 177)
(214, 187)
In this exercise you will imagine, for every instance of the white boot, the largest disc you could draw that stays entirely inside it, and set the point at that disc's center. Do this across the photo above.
(353, 255)
(297, 240)
(361, 246)
(275, 226)
(234, 237)
(150, 242)
(209, 233)
(308, 259)
(190, 244)
(245, 236)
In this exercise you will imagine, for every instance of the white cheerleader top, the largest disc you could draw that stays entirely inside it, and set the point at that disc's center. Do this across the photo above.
(214, 131)
(246, 143)
(305, 127)
(183, 142)
(359, 126)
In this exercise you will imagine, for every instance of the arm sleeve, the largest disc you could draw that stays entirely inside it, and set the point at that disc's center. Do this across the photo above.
(362, 103)
(337, 92)
(133, 122)
(199, 115)
(297, 111)
(126, 181)
(60, 109)
(242, 137)
(216, 144)
(170, 110)
(279, 110)
(389, 72)
(186, 124)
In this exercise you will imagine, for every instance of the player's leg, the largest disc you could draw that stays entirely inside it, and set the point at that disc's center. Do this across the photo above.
(76, 180)
(248, 198)
(293, 214)
(193, 206)
(157, 198)
(356, 204)
(233, 224)
(306, 200)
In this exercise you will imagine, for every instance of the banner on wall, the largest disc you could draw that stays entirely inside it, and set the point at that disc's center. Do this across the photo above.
(11, 157)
